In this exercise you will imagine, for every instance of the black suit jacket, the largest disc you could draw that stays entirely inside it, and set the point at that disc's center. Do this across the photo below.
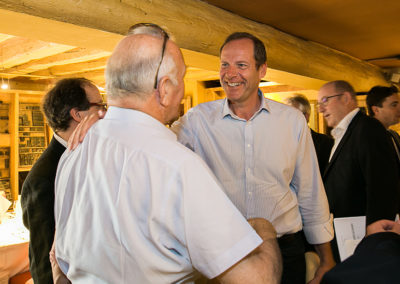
(37, 201)
(362, 176)
(375, 260)
(323, 145)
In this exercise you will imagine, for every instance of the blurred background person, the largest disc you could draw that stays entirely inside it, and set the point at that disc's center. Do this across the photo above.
(384, 104)
(323, 143)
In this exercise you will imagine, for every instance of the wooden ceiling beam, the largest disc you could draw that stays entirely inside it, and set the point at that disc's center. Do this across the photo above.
(196, 26)
(61, 70)
(16, 51)
(75, 55)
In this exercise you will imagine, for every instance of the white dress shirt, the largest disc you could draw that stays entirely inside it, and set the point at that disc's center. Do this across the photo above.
(267, 165)
(135, 206)
(339, 131)
(60, 140)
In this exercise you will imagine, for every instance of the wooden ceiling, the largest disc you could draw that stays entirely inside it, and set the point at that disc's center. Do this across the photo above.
(32, 61)
(366, 29)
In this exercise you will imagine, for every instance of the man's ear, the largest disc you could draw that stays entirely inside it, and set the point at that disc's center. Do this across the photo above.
(262, 70)
(347, 97)
(75, 114)
(165, 91)
(375, 110)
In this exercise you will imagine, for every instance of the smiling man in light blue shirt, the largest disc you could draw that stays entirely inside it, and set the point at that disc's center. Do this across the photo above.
(262, 153)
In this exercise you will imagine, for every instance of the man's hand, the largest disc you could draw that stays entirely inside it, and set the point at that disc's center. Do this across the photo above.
(383, 226)
(83, 127)
(263, 228)
(58, 276)
(326, 262)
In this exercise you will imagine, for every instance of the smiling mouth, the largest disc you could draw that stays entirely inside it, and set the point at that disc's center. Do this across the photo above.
(233, 84)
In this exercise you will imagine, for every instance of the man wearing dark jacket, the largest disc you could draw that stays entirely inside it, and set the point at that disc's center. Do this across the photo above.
(361, 178)
(64, 107)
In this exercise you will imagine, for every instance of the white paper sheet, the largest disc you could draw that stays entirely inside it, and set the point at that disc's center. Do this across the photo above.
(349, 232)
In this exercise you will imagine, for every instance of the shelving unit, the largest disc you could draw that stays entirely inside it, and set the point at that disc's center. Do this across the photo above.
(32, 136)
(23, 137)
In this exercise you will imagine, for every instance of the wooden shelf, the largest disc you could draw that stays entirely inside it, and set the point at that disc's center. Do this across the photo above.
(24, 169)
(4, 140)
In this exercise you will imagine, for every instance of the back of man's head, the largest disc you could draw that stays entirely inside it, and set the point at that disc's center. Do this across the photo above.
(64, 96)
(300, 102)
(132, 67)
(260, 55)
(377, 95)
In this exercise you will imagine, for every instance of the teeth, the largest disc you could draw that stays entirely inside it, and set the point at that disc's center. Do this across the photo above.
(233, 84)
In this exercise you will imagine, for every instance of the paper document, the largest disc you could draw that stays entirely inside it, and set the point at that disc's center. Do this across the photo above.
(349, 232)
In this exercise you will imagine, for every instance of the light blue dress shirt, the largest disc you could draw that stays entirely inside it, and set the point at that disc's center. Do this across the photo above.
(267, 165)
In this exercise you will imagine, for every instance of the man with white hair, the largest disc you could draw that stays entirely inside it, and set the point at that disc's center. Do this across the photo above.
(135, 206)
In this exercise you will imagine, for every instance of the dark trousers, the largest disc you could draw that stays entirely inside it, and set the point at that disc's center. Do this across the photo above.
(294, 262)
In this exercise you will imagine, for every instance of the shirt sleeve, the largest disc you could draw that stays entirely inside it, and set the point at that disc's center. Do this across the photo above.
(307, 182)
(217, 234)
(183, 130)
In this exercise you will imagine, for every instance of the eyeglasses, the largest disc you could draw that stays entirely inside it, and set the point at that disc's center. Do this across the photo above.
(152, 29)
(100, 105)
(324, 101)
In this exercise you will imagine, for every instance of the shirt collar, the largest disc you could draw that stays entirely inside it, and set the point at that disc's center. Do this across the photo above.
(131, 116)
(226, 110)
(344, 123)
(60, 140)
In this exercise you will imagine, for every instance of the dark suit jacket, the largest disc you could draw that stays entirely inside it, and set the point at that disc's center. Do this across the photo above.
(375, 260)
(362, 176)
(323, 145)
(37, 201)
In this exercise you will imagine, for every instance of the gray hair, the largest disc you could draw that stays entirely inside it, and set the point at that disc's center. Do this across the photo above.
(132, 72)
(300, 102)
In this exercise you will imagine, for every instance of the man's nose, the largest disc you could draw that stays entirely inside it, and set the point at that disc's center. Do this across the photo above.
(231, 71)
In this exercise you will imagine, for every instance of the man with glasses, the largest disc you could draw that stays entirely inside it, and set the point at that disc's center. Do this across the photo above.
(64, 106)
(135, 206)
(361, 178)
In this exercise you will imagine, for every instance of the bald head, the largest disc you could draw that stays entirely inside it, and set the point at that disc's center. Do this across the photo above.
(132, 67)
(336, 99)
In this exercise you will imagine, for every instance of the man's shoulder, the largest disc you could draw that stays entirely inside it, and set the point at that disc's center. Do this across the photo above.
(47, 163)
(208, 107)
(367, 125)
(321, 137)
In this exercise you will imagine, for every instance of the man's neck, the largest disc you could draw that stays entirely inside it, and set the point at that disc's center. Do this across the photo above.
(246, 109)
(65, 134)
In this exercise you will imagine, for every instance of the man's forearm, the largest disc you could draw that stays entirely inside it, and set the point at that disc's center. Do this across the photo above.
(263, 265)
(327, 262)
(324, 252)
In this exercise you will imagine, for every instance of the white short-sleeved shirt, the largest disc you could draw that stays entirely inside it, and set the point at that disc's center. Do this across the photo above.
(135, 206)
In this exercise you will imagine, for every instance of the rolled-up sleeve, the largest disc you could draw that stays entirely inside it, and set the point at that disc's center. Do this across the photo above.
(307, 182)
